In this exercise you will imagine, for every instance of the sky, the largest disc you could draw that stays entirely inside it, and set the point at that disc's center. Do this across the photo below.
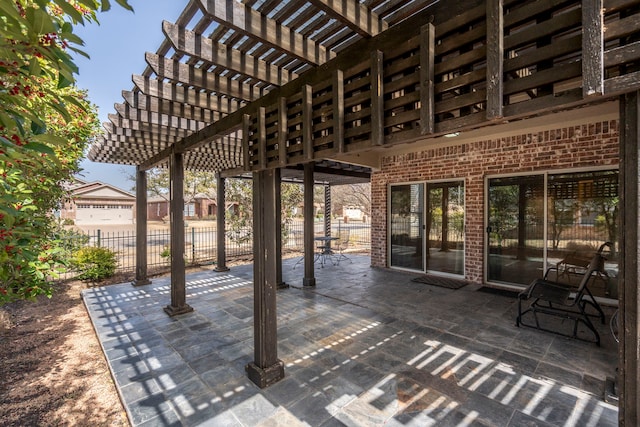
(117, 48)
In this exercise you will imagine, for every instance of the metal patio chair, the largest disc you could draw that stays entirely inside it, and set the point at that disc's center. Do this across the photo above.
(560, 300)
(342, 244)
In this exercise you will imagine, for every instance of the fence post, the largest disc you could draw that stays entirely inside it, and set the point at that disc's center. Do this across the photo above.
(98, 237)
(193, 245)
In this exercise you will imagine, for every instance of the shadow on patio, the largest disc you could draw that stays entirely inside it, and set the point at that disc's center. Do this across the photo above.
(366, 347)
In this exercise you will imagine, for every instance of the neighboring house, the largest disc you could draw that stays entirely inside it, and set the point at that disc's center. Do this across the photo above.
(94, 203)
(353, 213)
(202, 206)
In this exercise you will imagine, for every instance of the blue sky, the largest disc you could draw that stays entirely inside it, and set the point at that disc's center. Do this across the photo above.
(117, 48)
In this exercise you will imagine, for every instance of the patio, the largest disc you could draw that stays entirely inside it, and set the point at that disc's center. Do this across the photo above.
(365, 347)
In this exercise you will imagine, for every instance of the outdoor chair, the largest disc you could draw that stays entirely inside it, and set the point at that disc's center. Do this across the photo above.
(552, 298)
(324, 250)
(342, 244)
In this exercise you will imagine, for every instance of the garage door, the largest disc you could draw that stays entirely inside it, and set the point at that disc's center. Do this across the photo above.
(104, 214)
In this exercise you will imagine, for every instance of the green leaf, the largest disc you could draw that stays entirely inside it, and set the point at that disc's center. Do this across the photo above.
(38, 127)
(125, 5)
(81, 52)
(9, 220)
(39, 147)
(49, 139)
(68, 35)
(106, 5)
(40, 21)
(34, 67)
(69, 10)
(8, 9)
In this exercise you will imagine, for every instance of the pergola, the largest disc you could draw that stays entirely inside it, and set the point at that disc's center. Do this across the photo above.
(267, 87)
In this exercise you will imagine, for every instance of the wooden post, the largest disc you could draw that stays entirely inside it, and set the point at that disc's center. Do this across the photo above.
(221, 243)
(141, 229)
(309, 275)
(427, 76)
(307, 122)
(377, 98)
(338, 111)
(282, 131)
(592, 48)
(262, 138)
(628, 298)
(246, 150)
(266, 369)
(176, 214)
(327, 210)
(495, 59)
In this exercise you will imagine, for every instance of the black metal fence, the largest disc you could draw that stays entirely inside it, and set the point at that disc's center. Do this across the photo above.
(201, 243)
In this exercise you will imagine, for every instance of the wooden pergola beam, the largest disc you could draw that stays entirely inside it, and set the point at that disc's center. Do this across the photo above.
(170, 128)
(354, 15)
(128, 112)
(192, 76)
(198, 46)
(252, 23)
(139, 100)
(185, 95)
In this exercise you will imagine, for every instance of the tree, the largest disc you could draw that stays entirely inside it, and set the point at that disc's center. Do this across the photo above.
(196, 184)
(45, 124)
(355, 195)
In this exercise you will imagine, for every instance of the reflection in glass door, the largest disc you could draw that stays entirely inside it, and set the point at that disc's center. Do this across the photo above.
(515, 229)
(445, 222)
(407, 223)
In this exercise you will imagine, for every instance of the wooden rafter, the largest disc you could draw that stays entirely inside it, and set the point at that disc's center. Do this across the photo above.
(354, 15)
(162, 106)
(252, 23)
(191, 76)
(201, 47)
(183, 94)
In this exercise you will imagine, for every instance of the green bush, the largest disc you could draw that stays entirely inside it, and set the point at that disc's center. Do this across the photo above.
(95, 263)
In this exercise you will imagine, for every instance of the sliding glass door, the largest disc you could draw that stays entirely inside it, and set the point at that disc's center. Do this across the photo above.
(515, 231)
(431, 241)
(445, 222)
(532, 226)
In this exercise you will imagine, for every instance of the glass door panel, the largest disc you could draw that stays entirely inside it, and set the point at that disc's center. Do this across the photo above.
(445, 222)
(583, 214)
(407, 224)
(515, 229)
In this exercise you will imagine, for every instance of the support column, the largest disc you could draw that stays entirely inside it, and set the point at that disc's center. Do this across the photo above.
(221, 257)
(266, 369)
(309, 275)
(176, 214)
(141, 229)
(629, 375)
(327, 210)
(278, 200)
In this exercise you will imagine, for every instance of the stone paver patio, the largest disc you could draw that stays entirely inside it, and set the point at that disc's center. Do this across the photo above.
(366, 347)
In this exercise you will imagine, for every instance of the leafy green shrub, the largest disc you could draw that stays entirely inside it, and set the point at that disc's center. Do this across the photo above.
(95, 263)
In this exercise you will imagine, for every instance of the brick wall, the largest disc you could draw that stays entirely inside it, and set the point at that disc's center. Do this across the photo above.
(584, 146)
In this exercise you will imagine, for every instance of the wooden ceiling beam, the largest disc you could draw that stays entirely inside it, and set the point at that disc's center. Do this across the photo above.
(252, 23)
(126, 111)
(171, 129)
(353, 14)
(138, 100)
(183, 94)
(196, 45)
(191, 76)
